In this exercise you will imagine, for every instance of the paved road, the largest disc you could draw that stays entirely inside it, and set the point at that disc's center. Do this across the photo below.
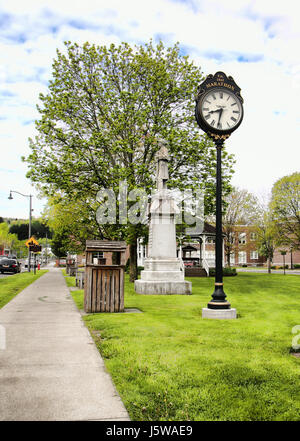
(51, 369)
(264, 270)
(23, 269)
(9, 274)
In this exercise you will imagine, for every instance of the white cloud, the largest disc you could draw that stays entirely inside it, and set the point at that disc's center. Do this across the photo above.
(215, 33)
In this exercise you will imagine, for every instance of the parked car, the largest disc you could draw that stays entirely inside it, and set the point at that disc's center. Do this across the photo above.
(10, 266)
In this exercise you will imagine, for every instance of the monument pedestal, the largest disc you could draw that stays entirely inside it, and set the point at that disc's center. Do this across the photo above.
(166, 288)
(163, 276)
(221, 314)
(163, 272)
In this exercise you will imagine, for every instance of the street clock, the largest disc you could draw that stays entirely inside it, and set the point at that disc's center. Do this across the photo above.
(219, 106)
(219, 111)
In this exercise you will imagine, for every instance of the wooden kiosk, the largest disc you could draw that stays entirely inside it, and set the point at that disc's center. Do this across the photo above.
(104, 283)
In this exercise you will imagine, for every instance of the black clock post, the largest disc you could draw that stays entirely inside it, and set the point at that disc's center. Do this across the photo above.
(219, 297)
(219, 111)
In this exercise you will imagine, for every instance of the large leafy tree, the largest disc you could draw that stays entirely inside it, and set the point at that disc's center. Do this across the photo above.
(285, 208)
(38, 229)
(100, 120)
(9, 240)
(267, 236)
(70, 223)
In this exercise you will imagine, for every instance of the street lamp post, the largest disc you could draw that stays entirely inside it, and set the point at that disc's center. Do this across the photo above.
(283, 253)
(46, 248)
(30, 213)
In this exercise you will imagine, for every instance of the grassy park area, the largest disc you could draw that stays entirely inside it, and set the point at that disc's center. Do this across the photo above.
(170, 364)
(11, 286)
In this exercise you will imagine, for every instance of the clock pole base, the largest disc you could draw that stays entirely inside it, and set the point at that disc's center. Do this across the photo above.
(219, 314)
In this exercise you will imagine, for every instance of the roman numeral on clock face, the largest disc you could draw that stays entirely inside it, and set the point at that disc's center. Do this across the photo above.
(233, 119)
(213, 122)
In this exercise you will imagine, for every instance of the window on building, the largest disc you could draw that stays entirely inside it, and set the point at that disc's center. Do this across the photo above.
(98, 255)
(232, 259)
(231, 237)
(242, 238)
(139, 248)
(242, 257)
(253, 236)
(253, 255)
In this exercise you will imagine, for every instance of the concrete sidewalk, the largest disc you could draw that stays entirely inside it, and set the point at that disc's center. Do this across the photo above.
(51, 368)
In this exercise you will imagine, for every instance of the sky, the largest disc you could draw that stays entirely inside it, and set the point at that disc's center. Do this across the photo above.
(255, 41)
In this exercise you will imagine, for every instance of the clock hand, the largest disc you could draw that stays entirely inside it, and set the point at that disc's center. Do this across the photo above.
(220, 114)
(213, 111)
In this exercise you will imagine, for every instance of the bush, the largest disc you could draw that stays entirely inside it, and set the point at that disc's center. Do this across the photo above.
(296, 265)
(244, 265)
(139, 268)
(227, 272)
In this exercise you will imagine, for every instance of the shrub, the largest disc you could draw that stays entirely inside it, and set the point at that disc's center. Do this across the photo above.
(227, 272)
(139, 268)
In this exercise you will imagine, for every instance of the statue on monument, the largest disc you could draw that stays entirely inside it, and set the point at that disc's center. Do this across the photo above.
(162, 173)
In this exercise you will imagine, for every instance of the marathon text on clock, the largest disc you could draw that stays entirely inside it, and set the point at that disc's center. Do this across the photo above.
(219, 84)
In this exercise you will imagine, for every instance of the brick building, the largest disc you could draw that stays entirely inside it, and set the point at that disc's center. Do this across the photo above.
(244, 250)
(292, 257)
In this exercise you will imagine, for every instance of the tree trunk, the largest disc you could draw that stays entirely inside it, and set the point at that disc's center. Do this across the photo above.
(228, 259)
(269, 265)
(133, 262)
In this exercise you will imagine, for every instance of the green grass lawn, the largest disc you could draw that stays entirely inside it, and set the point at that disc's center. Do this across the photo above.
(170, 364)
(11, 286)
(69, 280)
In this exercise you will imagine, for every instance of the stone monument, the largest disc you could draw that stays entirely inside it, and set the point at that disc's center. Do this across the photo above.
(163, 271)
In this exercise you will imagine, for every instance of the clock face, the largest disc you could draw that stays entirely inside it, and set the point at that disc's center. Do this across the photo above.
(221, 110)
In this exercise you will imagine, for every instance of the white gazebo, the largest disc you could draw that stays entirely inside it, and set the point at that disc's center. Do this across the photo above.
(198, 254)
